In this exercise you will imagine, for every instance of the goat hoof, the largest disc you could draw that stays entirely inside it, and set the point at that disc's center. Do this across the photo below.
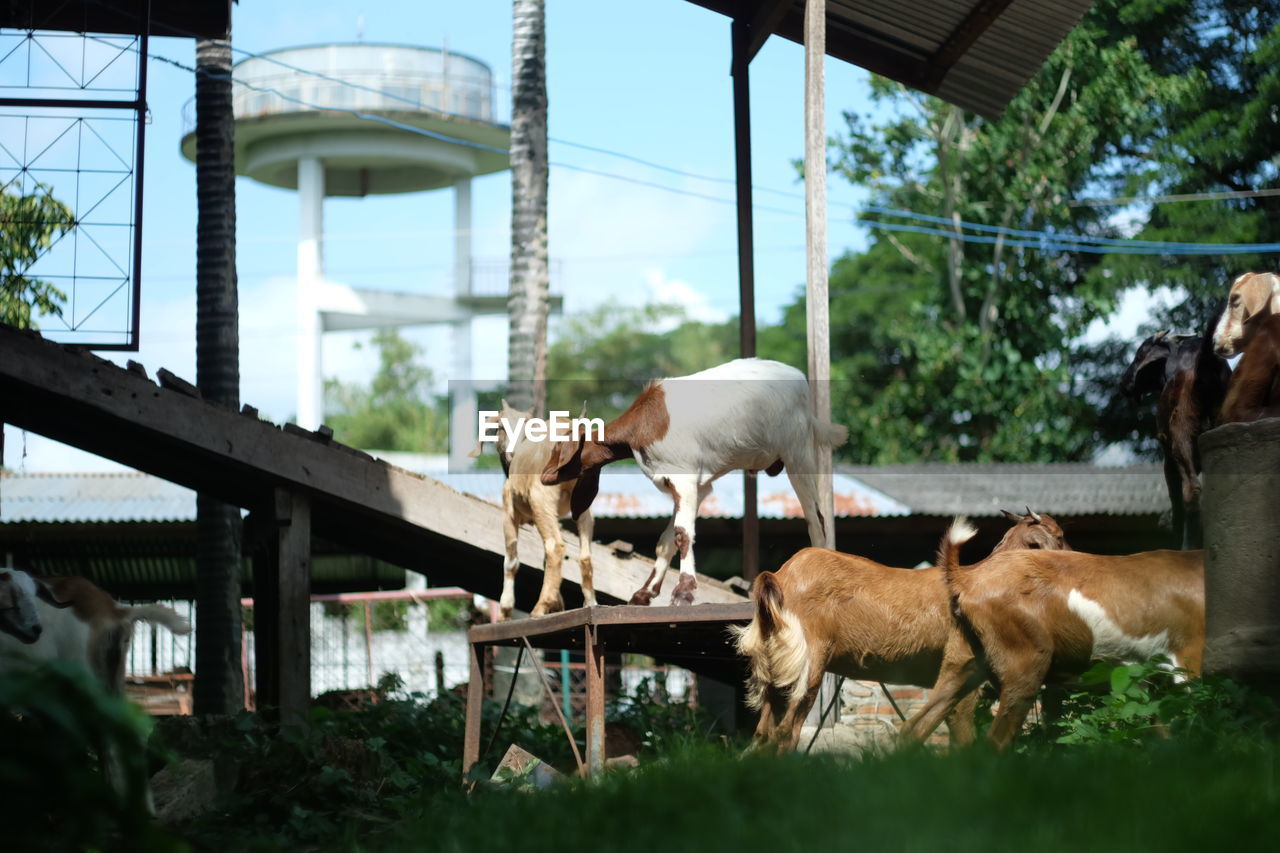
(683, 593)
(548, 606)
(504, 613)
(642, 597)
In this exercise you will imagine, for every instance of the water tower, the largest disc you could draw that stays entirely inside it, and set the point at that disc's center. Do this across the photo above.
(298, 130)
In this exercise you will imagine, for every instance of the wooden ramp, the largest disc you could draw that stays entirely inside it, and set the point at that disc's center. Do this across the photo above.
(291, 480)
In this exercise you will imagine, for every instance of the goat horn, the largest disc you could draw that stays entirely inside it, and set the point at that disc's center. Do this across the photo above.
(1011, 516)
(1037, 518)
(1159, 336)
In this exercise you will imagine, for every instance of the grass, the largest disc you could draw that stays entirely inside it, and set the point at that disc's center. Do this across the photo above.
(1172, 796)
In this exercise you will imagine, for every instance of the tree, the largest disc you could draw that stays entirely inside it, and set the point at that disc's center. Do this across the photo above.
(529, 302)
(953, 350)
(397, 410)
(605, 355)
(29, 225)
(219, 677)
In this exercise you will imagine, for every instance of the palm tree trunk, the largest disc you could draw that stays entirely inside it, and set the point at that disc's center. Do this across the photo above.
(528, 303)
(219, 685)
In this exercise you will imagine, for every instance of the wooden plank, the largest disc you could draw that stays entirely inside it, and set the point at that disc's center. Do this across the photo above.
(475, 703)
(264, 536)
(815, 196)
(362, 503)
(293, 517)
(766, 19)
(968, 31)
(743, 39)
(595, 700)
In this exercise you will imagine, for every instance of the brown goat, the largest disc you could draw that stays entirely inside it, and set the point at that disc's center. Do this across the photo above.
(1027, 617)
(1254, 390)
(824, 611)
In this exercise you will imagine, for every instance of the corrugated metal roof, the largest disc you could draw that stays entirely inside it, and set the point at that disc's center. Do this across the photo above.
(860, 491)
(954, 49)
(985, 489)
(93, 498)
(624, 493)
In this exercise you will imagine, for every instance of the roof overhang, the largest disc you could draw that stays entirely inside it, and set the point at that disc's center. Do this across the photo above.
(187, 19)
(976, 54)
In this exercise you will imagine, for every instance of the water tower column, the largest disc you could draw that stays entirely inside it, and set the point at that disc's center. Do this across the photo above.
(310, 275)
(462, 401)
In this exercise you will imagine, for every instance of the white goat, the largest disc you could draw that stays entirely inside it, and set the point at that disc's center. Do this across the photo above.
(685, 432)
(525, 499)
(79, 622)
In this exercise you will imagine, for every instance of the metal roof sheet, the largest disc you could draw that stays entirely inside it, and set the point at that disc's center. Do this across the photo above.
(860, 491)
(973, 53)
(985, 489)
(76, 497)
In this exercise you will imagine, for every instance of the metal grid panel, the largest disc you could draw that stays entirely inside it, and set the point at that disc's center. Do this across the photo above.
(71, 139)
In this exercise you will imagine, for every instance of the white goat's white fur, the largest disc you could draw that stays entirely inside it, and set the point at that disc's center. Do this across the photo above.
(746, 414)
(1230, 335)
(19, 606)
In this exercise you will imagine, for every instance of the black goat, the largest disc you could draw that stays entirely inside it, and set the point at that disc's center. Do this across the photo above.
(1192, 382)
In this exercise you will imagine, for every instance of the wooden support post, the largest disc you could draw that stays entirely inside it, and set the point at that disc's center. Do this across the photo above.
(595, 700)
(746, 268)
(815, 193)
(475, 701)
(282, 608)
(266, 608)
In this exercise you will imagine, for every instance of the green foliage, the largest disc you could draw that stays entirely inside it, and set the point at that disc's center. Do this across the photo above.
(665, 727)
(449, 614)
(56, 726)
(345, 774)
(1144, 702)
(951, 351)
(29, 225)
(604, 356)
(397, 410)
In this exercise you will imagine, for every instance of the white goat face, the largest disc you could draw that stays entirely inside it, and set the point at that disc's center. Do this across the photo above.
(1253, 296)
(19, 615)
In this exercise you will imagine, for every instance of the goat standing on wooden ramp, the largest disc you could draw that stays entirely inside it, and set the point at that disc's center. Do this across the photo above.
(525, 499)
(685, 432)
(1251, 325)
(1027, 617)
(825, 611)
(1192, 382)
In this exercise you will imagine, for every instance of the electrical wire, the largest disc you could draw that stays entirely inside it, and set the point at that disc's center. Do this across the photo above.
(1025, 239)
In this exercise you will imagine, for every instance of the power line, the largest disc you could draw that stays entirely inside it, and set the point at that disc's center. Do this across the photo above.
(1036, 240)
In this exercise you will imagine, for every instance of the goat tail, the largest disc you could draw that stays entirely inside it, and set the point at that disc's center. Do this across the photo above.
(158, 614)
(960, 532)
(773, 642)
(829, 434)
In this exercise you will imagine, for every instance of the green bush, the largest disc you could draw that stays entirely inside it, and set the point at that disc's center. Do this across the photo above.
(57, 726)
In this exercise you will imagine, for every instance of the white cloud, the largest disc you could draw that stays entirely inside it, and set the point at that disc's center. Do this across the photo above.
(668, 291)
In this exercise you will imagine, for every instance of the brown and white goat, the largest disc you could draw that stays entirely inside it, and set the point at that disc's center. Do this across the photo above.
(685, 432)
(1192, 381)
(81, 623)
(1024, 618)
(525, 499)
(825, 611)
(1251, 325)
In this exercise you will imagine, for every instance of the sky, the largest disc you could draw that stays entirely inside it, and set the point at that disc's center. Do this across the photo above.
(646, 80)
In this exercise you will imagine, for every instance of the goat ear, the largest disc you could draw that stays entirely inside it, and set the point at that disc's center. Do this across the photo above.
(1255, 294)
(565, 463)
(476, 451)
(1012, 516)
(46, 595)
(584, 493)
